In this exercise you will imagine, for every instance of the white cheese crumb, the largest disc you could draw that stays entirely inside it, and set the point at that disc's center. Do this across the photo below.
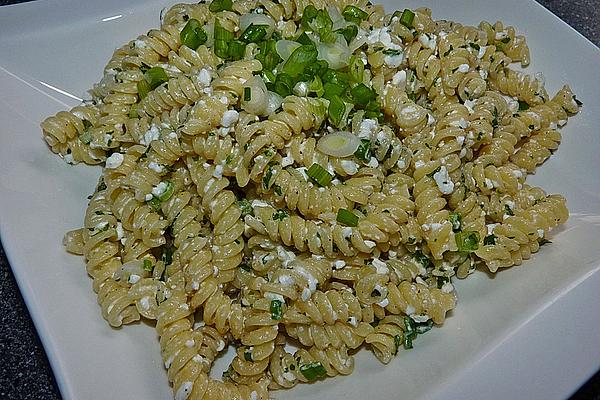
(230, 117)
(152, 134)
(204, 77)
(447, 287)
(133, 278)
(463, 68)
(114, 161)
(380, 266)
(370, 244)
(155, 167)
(184, 391)
(339, 264)
(443, 181)
(159, 189)
(349, 167)
(399, 79)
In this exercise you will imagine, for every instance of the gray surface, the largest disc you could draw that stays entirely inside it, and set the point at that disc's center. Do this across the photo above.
(24, 369)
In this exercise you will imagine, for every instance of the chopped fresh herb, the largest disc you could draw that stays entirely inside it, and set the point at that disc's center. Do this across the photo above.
(277, 189)
(410, 332)
(267, 178)
(155, 76)
(300, 58)
(220, 5)
(475, 46)
(85, 137)
(167, 255)
(308, 15)
(143, 89)
(154, 203)
(422, 259)
(147, 265)
(276, 312)
(362, 94)
(392, 52)
(319, 175)
(363, 152)
(313, 370)
(489, 240)
(407, 18)
(398, 339)
(247, 94)
(347, 218)
(192, 35)
(236, 50)
(254, 33)
(337, 110)
(523, 105)
(168, 192)
(349, 32)
(356, 68)
(456, 220)
(422, 327)
(354, 14)
(245, 206)
(467, 241)
(248, 355)
(304, 39)
(280, 215)
(222, 39)
(508, 210)
(284, 84)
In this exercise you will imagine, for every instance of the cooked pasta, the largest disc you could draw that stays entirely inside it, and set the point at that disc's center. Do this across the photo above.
(308, 174)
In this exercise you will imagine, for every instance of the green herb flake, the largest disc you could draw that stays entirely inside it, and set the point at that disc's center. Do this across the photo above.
(456, 220)
(467, 241)
(489, 240)
(313, 370)
(276, 312)
(148, 265)
(280, 215)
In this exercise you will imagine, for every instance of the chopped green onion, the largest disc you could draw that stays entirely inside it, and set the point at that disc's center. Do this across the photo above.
(319, 175)
(392, 52)
(222, 39)
(236, 50)
(332, 89)
(455, 220)
(309, 13)
(247, 94)
(410, 332)
(398, 339)
(347, 218)
(441, 280)
(373, 111)
(220, 5)
(143, 89)
(86, 137)
(356, 68)
(245, 206)
(147, 265)
(280, 215)
(313, 370)
(489, 240)
(508, 210)
(316, 86)
(349, 32)
(254, 33)
(276, 312)
(354, 14)
(363, 152)
(155, 76)
(333, 76)
(192, 35)
(304, 39)
(423, 327)
(422, 259)
(407, 18)
(300, 58)
(475, 46)
(154, 203)
(284, 84)
(362, 94)
(467, 241)
(133, 111)
(523, 105)
(267, 55)
(248, 355)
(337, 111)
(168, 192)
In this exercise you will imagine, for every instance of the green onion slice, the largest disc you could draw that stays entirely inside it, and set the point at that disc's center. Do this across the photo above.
(155, 76)
(349, 32)
(338, 144)
(86, 137)
(467, 241)
(407, 18)
(313, 370)
(254, 33)
(319, 175)
(362, 94)
(236, 50)
(363, 152)
(154, 203)
(337, 110)
(354, 14)
(523, 106)
(276, 312)
(347, 218)
(143, 88)
(455, 220)
(168, 192)
(300, 58)
(147, 265)
(192, 35)
(220, 5)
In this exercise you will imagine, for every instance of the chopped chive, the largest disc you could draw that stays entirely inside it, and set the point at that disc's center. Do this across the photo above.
(423, 327)
(332, 89)
(284, 84)
(222, 39)
(254, 33)
(167, 255)
(349, 32)
(248, 355)
(220, 5)
(523, 106)
(441, 280)
(154, 203)
(313, 370)
(304, 39)
(236, 50)
(362, 94)
(489, 240)
(147, 265)
(455, 220)
(422, 259)
(354, 14)
(155, 76)
(333, 76)
(347, 218)
(300, 58)
(319, 175)
(407, 18)
(398, 339)
(467, 241)
(276, 312)
(363, 152)
(308, 15)
(337, 110)
(143, 89)
(508, 210)
(86, 137)
(192, 35)
(245, 206)
(168, 192)
(247, 94)
(280, 215)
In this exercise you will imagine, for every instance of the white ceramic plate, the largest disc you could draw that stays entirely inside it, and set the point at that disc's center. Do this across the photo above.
(529, 332)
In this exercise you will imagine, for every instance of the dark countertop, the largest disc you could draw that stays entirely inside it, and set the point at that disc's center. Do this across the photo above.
(24, 369)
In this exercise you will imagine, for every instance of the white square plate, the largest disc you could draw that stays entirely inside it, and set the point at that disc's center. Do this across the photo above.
(528, 332)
